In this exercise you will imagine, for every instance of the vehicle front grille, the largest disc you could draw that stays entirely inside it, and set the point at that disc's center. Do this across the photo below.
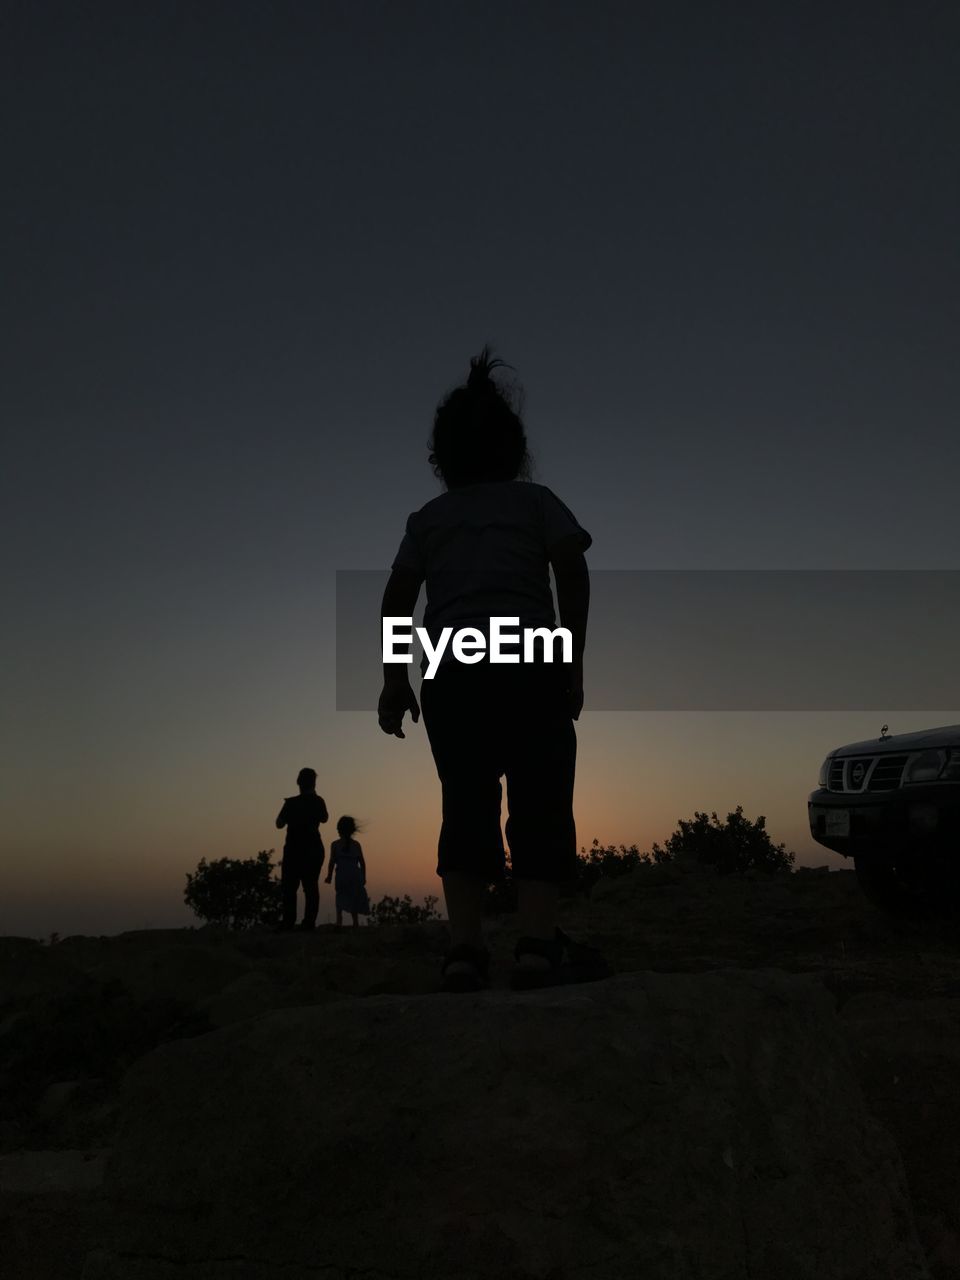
(887, 773)
(866, 773)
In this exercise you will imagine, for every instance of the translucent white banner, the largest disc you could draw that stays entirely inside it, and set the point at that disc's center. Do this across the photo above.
(723, 640)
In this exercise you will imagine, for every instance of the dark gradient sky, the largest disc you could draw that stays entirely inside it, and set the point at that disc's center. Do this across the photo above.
(248, 247)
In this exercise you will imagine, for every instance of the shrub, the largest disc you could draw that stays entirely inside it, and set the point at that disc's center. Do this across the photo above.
(608, 861)
(735, 845)
(237, 893)
(403, 910)
(602, 860)
(501, 897)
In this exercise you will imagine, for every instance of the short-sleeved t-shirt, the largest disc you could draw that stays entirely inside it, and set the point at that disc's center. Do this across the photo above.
(484, 550)
(301, 815)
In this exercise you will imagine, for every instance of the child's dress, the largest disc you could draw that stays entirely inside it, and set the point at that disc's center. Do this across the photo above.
(351, 895)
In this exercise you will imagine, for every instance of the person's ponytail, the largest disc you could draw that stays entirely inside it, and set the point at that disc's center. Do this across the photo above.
(481, 367)
(478, 435)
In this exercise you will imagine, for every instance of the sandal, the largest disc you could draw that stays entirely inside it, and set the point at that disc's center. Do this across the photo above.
(570, 961)
(472, 968)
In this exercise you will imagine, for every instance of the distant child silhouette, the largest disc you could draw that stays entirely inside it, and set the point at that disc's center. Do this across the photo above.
(484, 548)
(346, 859)
(302, 851)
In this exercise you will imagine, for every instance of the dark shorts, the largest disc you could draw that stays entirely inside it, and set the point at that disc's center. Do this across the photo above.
(488, 721)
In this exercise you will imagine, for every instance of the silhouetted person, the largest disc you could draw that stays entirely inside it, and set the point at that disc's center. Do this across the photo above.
(484, 548)
(346, 859)
(302, 851)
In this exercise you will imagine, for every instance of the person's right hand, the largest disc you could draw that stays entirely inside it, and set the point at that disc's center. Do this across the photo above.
(395, 701)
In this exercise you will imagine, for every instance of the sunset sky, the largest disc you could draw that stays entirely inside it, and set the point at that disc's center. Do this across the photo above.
(250, 246)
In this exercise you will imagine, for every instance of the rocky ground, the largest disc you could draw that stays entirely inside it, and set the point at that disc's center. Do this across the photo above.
(773, 1053)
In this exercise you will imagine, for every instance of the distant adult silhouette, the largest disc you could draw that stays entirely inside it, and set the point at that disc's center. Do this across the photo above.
(303, 851)
(346, 859)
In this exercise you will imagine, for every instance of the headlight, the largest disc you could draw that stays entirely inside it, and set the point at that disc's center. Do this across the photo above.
(925, 767)
(824, 772)
(951, 772)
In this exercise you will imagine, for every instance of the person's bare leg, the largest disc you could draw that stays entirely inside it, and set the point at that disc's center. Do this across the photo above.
(464, 896)
(537, 902)
(356, 922)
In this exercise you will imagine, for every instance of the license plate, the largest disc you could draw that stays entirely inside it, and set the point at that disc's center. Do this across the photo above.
(838, 822)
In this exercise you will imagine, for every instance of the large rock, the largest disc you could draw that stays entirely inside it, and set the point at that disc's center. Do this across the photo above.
(664, 1126)
(50, 1171)
(187, 973)
(907, 1056)
(31, 974)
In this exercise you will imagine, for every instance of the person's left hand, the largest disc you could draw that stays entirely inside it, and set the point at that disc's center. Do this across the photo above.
(575, 690)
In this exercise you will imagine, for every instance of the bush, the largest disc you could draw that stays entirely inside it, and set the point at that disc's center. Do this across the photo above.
(403, 911)
(237, 893)
(608, 861)
(735, 845)
(501, 898)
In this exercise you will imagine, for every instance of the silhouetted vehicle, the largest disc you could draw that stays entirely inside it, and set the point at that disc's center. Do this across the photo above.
(892, 804)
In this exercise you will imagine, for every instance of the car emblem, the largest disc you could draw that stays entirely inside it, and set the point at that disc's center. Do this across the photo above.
(857, 772)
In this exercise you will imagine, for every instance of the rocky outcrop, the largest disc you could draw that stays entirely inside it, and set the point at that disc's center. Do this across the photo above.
(701, 1125)
(351, 1088)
